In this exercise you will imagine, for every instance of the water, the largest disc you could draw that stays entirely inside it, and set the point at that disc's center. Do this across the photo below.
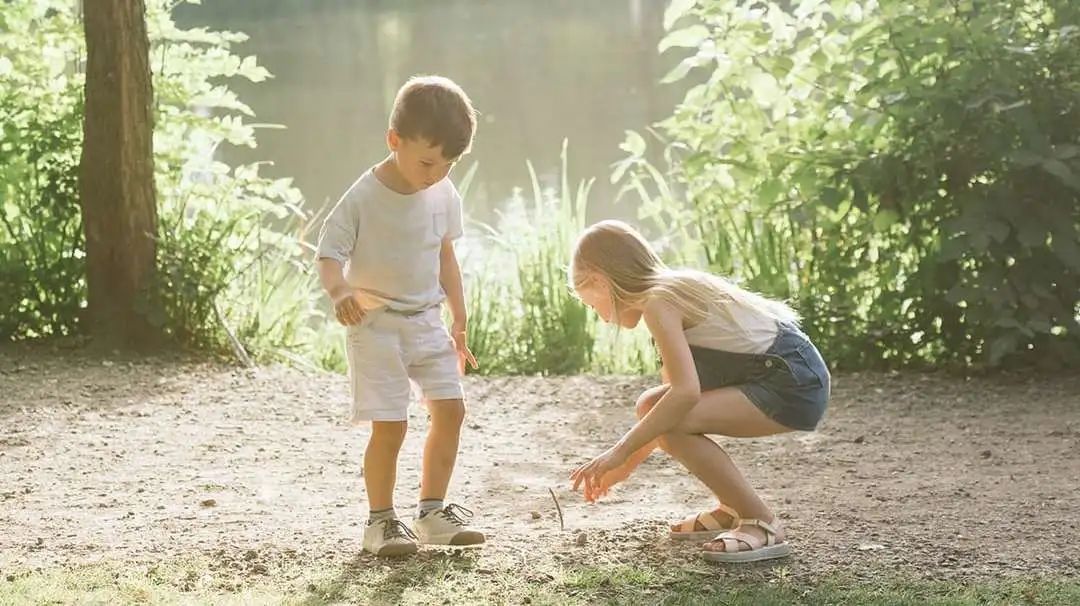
(538, 72)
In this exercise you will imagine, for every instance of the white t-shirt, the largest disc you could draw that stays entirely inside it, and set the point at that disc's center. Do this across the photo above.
(390, 242)
(732, 327)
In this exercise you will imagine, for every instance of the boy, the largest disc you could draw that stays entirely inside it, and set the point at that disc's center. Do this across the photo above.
(386, 259)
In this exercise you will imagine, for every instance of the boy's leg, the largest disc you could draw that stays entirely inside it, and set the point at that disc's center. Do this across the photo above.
(434, 368)
(380, 462)
(437, 522)
(385, 534)
(441, 447)
(380, 390)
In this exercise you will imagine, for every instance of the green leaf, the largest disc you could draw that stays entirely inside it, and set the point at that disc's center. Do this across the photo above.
(1066, 246)
(1062, 171)
(680, 70)
(831, 197)
(687, 37)
(1025, 158)
(998, 230)
(633, 144)
(884, 219)
(620, 169)
(980, 241)
(765, 89)
(676, 9)
(1032, 234)
(1003, 346)
(782, 66)
(769, 191)
(1066, 151)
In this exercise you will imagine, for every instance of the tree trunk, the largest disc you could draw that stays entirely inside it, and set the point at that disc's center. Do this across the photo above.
(116, 175)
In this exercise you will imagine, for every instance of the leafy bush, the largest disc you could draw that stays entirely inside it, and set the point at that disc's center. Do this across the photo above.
(909, 172)
(221, 268)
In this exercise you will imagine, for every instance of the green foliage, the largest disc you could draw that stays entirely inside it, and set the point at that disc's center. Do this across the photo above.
(524, 317)
(463, 579)
(220, 264)
(909, 173)
(41, 266)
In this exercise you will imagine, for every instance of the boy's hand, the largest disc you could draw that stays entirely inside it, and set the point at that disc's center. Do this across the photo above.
(460, 334)
(347, 308)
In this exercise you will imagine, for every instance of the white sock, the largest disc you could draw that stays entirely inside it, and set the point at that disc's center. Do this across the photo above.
(381, 515)
(427, 506)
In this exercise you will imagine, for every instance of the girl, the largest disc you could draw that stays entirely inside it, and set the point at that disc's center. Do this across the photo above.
(734, 364)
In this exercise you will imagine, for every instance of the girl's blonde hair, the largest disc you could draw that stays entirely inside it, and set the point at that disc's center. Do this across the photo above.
(634, 271)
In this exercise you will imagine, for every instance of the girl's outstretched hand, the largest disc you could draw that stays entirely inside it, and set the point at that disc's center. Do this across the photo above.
(592, 472)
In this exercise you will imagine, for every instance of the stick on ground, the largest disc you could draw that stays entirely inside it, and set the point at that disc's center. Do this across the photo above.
(558, 508)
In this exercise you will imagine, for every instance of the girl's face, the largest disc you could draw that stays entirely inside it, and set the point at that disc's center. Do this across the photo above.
(596, 293)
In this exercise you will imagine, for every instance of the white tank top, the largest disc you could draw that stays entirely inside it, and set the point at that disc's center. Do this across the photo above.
(732, 327)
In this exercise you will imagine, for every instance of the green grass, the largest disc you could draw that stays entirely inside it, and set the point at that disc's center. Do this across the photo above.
(466, 578)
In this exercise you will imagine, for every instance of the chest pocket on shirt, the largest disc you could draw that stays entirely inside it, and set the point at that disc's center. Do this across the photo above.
(438, 224)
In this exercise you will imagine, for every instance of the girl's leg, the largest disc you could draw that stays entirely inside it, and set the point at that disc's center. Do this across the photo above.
(645, 402)
(727, 412)
(380, 462)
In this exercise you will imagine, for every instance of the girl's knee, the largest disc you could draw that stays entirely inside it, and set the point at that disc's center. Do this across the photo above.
(648, 400)
(672, 440)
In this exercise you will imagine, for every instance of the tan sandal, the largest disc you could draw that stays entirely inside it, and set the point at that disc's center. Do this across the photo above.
(759, 550)
(687, 528)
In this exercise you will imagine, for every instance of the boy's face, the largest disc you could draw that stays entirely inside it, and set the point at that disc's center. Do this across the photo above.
(421, 164)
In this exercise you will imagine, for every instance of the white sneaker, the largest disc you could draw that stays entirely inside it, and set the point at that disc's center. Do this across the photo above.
(447, 526)
(389, 538)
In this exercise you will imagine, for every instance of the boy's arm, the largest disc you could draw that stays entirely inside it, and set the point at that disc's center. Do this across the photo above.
(450, 279)
(332, 277)
(346, 306)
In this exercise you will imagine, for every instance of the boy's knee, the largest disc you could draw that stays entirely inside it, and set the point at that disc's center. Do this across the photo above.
(389, 432)
(447, 412)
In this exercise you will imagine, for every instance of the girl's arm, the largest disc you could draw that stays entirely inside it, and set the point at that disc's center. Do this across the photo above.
(665, 323)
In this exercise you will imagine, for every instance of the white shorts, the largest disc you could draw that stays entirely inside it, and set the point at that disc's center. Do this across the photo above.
(387, 352)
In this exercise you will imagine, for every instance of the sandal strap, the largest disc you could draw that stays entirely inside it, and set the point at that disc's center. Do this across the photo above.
(708, 521)
(732, 538)
(770, 530)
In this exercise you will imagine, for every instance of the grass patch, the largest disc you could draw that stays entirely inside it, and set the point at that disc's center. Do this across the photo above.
(474, 578)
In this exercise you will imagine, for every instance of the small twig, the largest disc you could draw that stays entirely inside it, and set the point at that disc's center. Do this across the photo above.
(238, 348)
(558, 508)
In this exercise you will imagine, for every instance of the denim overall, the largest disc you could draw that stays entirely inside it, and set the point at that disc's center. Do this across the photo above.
(790, 382)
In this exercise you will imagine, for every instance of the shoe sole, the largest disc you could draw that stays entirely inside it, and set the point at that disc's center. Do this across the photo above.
(740, 557)
(396, 551)
(697, 535)
(458, 539)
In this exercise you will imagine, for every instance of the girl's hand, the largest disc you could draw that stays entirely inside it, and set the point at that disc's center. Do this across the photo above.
(591, 473)
(606, 481)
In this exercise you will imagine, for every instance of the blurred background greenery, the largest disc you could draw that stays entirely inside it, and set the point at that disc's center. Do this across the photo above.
(906, 174)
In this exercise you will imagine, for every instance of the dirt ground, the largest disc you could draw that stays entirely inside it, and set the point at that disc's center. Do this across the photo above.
(120, 459)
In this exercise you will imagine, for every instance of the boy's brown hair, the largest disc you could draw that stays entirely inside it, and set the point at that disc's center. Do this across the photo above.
(436, 109)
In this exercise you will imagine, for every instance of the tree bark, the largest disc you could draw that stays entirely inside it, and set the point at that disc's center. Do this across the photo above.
(116, 173)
